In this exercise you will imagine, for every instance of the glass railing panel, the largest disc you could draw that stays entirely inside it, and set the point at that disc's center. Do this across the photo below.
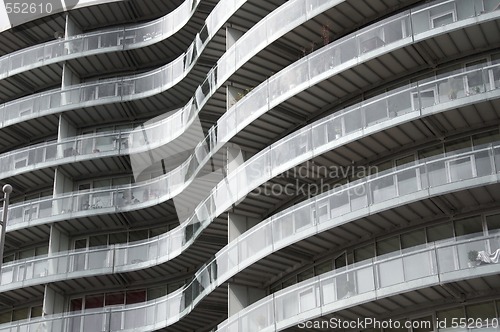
(256, 243)
(483, 163)
(465, 250)
(391, 272)
(338, 204)
(287, 82)
(433, 16)
(249, 42)
(419, 265)
(181, 14)
(408, 181)
(260, 318)
(383, 188)
(281, 21)
(358, 196)
(376, 111)
(98, 259)
(352, 120)
(365, 281)
(296, 300)
(95, 321)
(227, 261)
(434, 174)
(399, 101)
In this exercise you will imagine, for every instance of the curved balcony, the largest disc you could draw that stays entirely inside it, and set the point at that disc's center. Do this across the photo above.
(293, 79)
(157, 81)
(116, 39)
(78, 148)
(416, 267)
(401, 185)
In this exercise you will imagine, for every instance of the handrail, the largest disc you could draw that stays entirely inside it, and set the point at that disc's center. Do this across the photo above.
(117, 39)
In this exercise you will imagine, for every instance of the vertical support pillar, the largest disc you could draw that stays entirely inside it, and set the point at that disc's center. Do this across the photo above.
(53, 303)
(66, 129)
(233, 94)
(58, 241)
(241, 296)
(62, 184)
(72, 28)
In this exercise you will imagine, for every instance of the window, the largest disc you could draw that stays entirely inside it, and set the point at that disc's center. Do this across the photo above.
(412, 239)
(493, 223)
(388, 245)
(439, 232)
(364, 253)
(468, 226)
(481, 311)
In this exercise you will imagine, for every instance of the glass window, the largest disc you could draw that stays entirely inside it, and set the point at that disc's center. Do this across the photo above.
(136, 296)
(5, 317)
(468, 226)
(94, 301)
(20, 314)
(381, 167)
(485, 138)
(98, 240)
(289, 282)
(118, 238)
(36, 311)
(412, 239)
(138, 235)
(115, 298)
(102, 184)
(425, 324)
(493, 223)
(307, 274)
(340, 261)
(457, 146)
(42, 250)
(154, 293)
(275, 289)
(364, 253)
(323, 268)
(405, 160)
(386, 246)
(448, 315)
(8, 258)
(435, 151)
(26, 253)
(121, 181)
(158, 231)
(481, 311)
(76, 305)
(175, 286)
(439, 232)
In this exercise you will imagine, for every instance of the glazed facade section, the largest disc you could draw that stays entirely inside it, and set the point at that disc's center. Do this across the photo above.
(124, 38)
(425, 266)
(293, 79)
(467, 85)
(326, 134)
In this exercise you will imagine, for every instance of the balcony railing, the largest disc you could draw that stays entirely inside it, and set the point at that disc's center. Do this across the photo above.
(413, 181)
(400, 105)
(418, 267)
(115, 39)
